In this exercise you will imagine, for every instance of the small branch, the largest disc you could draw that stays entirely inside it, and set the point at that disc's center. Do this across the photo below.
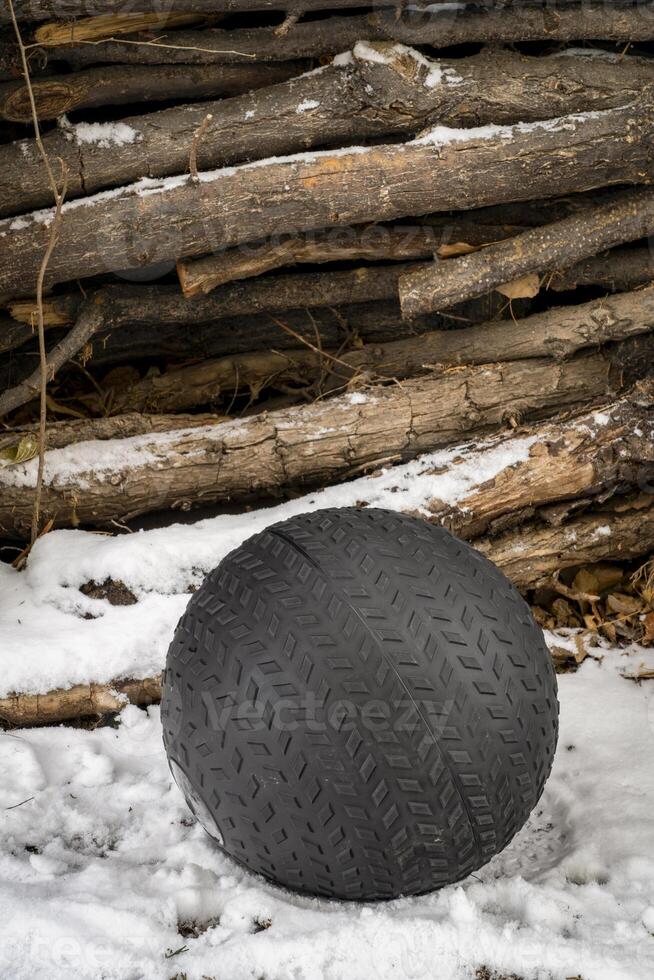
(89, 321)
(41, 376)
(197, 136)
(289, 21)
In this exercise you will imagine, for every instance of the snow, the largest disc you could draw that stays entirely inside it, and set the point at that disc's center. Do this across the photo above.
(161, 565)
(101, 865)
(103, 872)
(307, 105)
(103, 134)
(437, 136)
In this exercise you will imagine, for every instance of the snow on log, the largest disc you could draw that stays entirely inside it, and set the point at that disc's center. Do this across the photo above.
(379, 90)
(98, 482)
(154, 221)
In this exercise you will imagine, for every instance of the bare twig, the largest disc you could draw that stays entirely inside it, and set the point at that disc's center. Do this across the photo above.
(289, 21)
(197, 136)
(89, 321)
(58, 195)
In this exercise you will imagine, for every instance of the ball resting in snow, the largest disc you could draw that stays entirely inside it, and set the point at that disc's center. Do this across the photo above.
(359, 705)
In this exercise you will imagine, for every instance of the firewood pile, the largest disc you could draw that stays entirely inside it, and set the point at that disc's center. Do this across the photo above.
(294, 242)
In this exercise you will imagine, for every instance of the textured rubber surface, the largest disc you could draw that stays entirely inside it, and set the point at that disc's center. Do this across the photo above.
(359, 705)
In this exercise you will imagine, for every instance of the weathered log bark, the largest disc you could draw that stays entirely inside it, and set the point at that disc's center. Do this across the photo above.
(558, 333)
(181, 336)
(37, 10)
(335, 34)
(370, 243)
(60, 434)
(148, 223)
(373, 243)
(78, 701)
(579, 22)
(619, 269)
(620, 530)
(625, 217)
(97, 28)
(341, 104)
(121, 85)
(590, 455)
(311, 444)
(317, 39)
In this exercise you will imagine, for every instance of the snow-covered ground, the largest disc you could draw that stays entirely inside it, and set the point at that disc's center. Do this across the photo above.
(104, 874)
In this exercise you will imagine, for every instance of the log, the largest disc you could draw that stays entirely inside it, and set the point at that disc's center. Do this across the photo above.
(90, 29)
(315, 39)
(620, 530)
(37, 10)
(60, 434)
(153, 222)
(620, 269)
(570, 22)
(588, 456)
(380, 91)
(626, 216)
(307, 445)
(371, 243)
(557, 333)
(79, 701)
(121, 85)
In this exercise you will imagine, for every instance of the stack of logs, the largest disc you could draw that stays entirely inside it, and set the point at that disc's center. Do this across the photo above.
(302, 240)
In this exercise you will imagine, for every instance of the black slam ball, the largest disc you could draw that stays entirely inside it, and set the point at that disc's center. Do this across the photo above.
(359, 705)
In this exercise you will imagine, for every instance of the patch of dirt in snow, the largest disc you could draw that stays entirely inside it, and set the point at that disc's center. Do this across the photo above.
(103, 872)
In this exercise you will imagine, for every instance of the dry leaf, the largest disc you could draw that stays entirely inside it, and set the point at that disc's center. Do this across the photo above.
(455, 249)
(648, 625)
(624, 605)
(526, 287)
(26, 449)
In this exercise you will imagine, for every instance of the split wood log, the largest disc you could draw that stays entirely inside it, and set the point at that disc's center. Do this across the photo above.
(380, 91)
(569, 22)
(120, 85)
(626, 216)
(152, 222)
(558, 333)
(90, 29)
(620, 530)
(88, 323)
(307, 445)
(589, 455)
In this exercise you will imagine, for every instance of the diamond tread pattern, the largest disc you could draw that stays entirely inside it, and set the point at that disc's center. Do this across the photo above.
(361, 705)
